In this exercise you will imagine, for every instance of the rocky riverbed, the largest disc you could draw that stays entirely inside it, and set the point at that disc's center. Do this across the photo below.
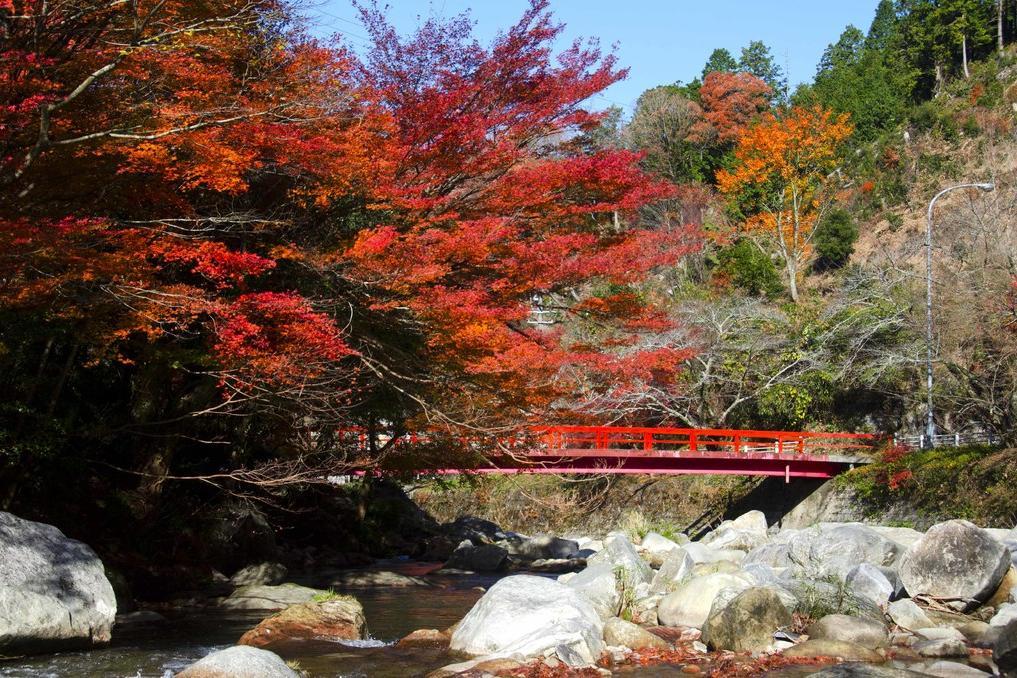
(746, 599)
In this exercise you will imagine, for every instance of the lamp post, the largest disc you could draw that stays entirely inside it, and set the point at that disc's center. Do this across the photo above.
(930, 424)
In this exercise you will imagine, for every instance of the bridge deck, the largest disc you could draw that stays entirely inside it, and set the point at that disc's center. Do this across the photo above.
(671, 451)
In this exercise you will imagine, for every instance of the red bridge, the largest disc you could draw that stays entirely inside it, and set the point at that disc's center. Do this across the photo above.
(670, 451)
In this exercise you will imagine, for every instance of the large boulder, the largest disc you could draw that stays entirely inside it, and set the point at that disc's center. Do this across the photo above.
(621, 633)
(690, 604)
(526, 616)
(476, 530)
(955, 560)
(542, 547)
(262, 573)
(598, 583)
(485, 558)
(746, 623)
(861, 630)
(339, 618)
(54, 593)
(619, 553)
(270, 597)
(825, 550)
(239, 662)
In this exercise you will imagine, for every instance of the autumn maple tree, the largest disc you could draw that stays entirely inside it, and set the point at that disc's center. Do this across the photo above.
(731, 103)
(782, 180)
(210, 213)
(489, 203)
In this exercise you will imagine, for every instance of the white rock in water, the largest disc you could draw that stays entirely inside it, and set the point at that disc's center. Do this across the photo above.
(54, 593)
(525, 616)
(240, 661)
(269, 597)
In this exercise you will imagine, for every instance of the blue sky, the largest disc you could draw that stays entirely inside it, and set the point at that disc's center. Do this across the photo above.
(660, 41)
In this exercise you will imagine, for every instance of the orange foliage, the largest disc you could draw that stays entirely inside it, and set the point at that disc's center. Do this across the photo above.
(782, 167)
(731, 102)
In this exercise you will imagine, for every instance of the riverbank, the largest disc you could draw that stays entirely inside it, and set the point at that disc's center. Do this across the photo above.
(746, 599)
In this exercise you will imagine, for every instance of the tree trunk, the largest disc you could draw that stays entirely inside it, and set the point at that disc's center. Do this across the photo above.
(964, 56)
(999, 25)
(792, 279)
(939, 79)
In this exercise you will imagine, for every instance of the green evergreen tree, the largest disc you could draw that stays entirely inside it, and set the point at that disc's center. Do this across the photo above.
(857, 80)
(757, 60)
(835, 240)
(721, 61)
(883, 28)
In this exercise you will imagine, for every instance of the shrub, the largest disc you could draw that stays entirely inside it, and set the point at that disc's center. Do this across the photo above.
(749, 269)
(835, 240)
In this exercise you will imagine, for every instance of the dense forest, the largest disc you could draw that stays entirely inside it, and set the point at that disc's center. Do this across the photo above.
(226, 245)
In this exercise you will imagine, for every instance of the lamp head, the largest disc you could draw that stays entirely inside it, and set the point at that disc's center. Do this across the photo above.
(988, 186)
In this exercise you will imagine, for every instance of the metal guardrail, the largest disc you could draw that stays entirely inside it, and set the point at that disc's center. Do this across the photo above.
(948, 439)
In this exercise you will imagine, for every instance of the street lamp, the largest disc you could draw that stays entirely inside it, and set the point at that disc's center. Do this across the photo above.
(930, 424)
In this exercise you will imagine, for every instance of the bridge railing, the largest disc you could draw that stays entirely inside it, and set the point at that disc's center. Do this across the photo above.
(657, 441)
(654, 441)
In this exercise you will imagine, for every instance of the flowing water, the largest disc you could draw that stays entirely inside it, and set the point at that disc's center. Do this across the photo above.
(162, 648)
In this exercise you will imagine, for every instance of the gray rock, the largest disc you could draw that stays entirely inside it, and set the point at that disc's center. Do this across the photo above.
(864, 671)
(644, 610)
(691, 603)
(268, 574)
(525, 616)
(618, 552)
(945, 669)
(904, 536)
(704, 553)
(485, 558)
(744, 533)
(1004, 649)
(870, 583)
(54, 593)
(598, 583)
(955, 559)
(827, 549)
(906, 614)
(746, 623)
(1006, 613)
(239, 662)
(475, 530)
(940, 633)
(655, 548)
(851, 652)
(973, 630)
(352, 579)
(621, 633)
(860, 630)
(940, 648)
(543, 547)
(269, 597)
(140, 617)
